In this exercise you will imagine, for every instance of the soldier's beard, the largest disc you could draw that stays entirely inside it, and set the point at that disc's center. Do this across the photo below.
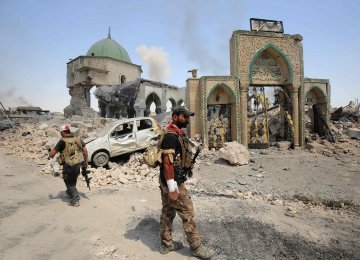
(181, 124)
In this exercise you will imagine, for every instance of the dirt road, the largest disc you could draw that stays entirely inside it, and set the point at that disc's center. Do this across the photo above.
(282, 206)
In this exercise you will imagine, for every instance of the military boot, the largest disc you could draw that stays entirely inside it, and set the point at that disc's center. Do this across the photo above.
(74, 204)
(202, 252)
(173, 247)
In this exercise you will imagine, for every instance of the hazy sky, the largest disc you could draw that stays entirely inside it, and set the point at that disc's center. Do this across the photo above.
(39, 37)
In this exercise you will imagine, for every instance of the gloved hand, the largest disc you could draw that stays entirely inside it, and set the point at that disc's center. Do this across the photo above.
(173, 190)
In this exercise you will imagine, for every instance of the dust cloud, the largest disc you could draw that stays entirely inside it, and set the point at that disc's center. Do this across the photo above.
(158, 61)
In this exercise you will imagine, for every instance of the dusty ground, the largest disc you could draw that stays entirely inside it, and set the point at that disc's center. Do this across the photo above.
(283, 205)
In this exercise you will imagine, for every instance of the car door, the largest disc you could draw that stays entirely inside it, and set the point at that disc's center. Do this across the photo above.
(122, 139)
(145, 132)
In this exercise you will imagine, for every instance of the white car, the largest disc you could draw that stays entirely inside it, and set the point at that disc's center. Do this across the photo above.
(121, 137)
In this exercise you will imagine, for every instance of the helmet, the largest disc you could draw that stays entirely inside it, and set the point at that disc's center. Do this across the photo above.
(65, 128)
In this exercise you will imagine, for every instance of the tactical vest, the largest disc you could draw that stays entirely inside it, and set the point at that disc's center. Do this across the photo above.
(72, 153)
(184, 159)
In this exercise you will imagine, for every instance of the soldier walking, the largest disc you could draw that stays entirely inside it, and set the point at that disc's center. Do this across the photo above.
(73, 154)
(174, 171)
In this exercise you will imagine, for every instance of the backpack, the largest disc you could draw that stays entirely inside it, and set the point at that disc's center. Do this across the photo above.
(72, 153)
(153, 154)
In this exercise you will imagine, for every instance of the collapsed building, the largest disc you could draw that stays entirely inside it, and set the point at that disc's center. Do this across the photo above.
(265, 99)
(120, 90)
(16, 115)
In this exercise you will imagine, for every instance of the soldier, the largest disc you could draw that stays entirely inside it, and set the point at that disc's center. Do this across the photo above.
(73, 154)
(174, 171)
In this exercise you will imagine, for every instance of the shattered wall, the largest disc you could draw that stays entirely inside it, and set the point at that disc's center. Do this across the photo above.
(85, 72)
(133, 99)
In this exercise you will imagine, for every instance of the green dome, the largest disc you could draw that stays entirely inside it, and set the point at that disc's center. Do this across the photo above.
(109, 48)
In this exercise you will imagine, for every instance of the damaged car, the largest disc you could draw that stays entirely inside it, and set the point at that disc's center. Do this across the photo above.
(121, 137)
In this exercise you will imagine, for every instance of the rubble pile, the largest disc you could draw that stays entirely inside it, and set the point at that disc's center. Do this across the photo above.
(27, 143)
(345, 127)
(133, 171)
(32, 141)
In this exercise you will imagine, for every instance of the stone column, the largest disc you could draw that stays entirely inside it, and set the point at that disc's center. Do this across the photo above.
(294, 96)
(107, 109)
(77, 101)
(243, 112)
(139, 111)
(158, 110)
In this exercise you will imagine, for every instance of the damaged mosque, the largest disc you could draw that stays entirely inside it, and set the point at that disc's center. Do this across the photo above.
(265, 98)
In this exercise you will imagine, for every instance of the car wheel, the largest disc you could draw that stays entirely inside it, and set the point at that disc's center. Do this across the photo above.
(100, 159)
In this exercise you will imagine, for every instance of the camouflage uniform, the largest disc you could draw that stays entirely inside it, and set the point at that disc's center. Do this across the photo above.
(184, 207)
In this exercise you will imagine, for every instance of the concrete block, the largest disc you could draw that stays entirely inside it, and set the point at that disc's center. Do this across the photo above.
(353, 133)
(283, 145)
(315, 147)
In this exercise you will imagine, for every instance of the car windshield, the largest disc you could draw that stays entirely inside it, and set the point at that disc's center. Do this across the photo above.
(106, 129)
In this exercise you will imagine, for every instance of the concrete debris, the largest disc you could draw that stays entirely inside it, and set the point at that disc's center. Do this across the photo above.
(283, 145)
(39, 138)
(43, 136)
(235, 153)
(353, 133)
(344, 126)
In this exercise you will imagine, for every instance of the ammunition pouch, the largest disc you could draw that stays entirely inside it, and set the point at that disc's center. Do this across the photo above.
(60, 160)
(181, 174)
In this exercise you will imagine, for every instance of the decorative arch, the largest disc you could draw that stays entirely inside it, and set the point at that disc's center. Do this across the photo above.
(172, 100)
(180, 101)
(152, 97)
(122, 79)
(317, 88)
(317, 110)
(279, 51)
(220, 85)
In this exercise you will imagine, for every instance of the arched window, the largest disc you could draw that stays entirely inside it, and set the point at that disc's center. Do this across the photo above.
(123, 79)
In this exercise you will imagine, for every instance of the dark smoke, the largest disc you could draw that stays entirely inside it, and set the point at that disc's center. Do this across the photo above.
(198, 23)
(9, 97)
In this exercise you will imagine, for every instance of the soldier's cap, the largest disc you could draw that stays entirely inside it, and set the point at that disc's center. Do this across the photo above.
(182, 110)
(65, 128)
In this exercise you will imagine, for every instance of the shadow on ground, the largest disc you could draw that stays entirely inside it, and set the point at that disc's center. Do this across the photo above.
(64, 197)
(248, 239)
(147, 231)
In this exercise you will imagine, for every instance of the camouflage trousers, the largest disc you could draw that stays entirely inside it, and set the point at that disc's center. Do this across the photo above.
(70, 175)
(184, 208)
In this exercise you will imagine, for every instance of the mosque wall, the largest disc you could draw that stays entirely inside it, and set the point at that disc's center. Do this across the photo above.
(100, 71)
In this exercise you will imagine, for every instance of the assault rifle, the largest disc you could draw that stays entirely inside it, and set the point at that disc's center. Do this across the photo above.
(187, 172)
(85, 173)
(198, 150)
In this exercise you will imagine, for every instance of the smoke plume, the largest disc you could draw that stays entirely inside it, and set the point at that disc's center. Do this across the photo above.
(10, 98)
(157, 60)
(203, 33)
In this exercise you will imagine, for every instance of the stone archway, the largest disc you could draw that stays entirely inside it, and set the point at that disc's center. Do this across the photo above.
(316, 110)
(270, 67)
(221, 115)
(152, 97)
(170, 104)
(180, 103)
